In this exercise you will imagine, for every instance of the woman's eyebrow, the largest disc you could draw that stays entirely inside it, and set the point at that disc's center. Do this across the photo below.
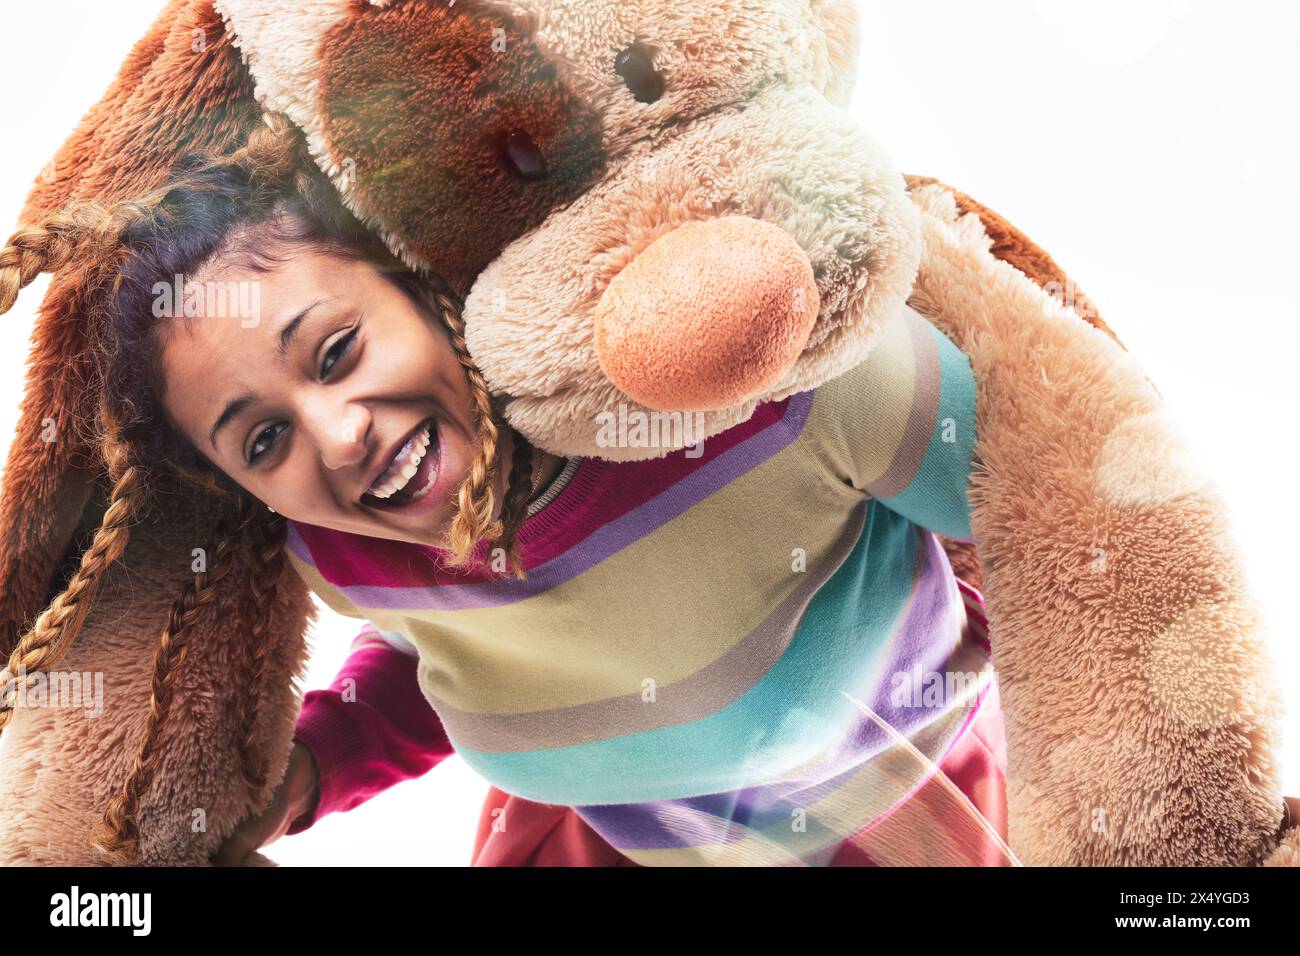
(229, 412)
(285, 338)
(291, 327)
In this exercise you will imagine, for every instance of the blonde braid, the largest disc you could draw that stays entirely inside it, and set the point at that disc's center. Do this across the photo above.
(117, 834)
(85, 231)
(88, 230)
(515, 509)
(476, 496)
(57, 627)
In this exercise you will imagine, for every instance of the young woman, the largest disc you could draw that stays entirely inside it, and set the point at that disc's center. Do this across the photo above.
(755, 655)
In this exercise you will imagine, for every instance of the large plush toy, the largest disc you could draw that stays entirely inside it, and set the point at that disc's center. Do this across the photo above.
(656, 206)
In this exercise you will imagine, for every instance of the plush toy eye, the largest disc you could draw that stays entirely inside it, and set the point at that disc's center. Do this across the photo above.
(521, 155)
(636, 66)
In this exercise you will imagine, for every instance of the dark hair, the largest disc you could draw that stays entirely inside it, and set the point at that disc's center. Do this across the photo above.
(217, 215)
(256, 211)
(264, 197)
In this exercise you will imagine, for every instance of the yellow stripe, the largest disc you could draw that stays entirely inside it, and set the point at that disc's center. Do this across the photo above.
(657, 611)
(862, 415)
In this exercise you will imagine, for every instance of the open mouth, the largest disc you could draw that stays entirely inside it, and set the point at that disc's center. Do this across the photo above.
(412, 473)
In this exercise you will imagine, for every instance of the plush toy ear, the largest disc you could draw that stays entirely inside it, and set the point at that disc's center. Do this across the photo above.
(183, 87)
(441, 124)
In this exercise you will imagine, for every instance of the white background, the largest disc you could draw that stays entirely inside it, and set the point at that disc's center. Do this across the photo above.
(1148, 145)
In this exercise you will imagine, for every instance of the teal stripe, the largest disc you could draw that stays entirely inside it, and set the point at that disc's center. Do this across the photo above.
(936, 498)
(779, 723)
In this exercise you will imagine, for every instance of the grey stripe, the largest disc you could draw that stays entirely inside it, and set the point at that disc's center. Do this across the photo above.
(556, 486)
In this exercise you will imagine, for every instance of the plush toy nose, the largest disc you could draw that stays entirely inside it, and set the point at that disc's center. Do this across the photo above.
(707, 316)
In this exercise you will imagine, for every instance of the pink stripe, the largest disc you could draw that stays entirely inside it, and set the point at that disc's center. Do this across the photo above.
(965, 727)
(975, 616)
(345, 559)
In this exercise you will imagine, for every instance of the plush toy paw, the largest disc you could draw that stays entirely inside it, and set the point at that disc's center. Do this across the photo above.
(1288, 851)
(1288, 848)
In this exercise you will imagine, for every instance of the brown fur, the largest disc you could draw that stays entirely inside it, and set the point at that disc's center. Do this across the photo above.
(443, 175)
(61, 769)
(168, 96)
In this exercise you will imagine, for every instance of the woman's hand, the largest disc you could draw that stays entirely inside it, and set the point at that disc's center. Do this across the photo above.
(297, 794)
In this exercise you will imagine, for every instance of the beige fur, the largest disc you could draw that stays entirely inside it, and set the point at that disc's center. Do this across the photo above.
(818, 175)
(1139, 695)
(279, 43)
(718, 53)
(863, 250)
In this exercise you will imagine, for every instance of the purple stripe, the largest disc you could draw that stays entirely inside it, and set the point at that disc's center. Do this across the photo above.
(293, 541)
(722, 818)
(601, 543)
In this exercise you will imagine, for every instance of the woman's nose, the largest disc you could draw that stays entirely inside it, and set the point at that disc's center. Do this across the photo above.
(341, 437)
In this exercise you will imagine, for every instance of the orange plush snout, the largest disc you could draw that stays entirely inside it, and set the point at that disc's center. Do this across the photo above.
(707, 316)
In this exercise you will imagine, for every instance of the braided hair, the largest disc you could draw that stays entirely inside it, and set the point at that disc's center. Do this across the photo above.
(265, 193)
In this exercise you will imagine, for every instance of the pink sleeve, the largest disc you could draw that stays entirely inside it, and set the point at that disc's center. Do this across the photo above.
(379, 733)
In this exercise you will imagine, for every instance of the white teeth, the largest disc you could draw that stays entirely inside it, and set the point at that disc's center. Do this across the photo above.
(404, 465)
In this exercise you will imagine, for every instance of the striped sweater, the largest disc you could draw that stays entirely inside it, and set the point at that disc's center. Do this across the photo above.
(745, 656)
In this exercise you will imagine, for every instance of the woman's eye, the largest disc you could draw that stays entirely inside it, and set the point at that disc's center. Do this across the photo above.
(637, 68)
(261, 447)
(336, 352)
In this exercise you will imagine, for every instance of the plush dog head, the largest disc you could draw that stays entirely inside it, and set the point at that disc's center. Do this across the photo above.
(652, 202)
(659, 205)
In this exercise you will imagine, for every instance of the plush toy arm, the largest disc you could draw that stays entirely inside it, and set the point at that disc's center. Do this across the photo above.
(1137, 687)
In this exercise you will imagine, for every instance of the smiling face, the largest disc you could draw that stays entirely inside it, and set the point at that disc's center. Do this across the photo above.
(655, 208)
(320, 400)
